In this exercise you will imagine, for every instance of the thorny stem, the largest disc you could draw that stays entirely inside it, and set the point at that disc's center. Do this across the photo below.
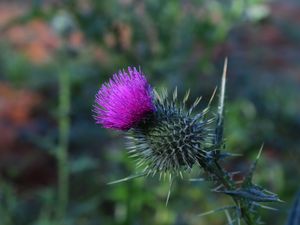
(214, 168)
(222, 176)
(62, 149)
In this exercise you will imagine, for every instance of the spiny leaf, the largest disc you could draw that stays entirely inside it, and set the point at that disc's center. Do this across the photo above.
(254, 193)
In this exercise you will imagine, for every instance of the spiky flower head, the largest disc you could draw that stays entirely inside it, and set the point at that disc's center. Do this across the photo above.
(122, 102)
(164, 136)
(172, 140)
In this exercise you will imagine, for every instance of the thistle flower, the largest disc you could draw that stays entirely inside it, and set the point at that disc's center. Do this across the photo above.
(124, 101)
(164, 136)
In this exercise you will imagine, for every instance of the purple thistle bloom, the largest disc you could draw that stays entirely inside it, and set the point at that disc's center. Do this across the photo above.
(124, 101)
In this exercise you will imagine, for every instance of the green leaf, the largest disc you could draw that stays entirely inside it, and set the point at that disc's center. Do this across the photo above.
(253, 193)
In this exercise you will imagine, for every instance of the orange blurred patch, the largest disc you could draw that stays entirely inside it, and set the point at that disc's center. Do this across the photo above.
(35, 39)
(110, 40)
(38, 41)
(10, 11)
(101, 55)
(124, 35)
(16, 107)
(76, 40)
(21, 161)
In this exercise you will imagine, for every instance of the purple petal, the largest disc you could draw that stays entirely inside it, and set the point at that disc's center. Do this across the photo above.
(124, 101)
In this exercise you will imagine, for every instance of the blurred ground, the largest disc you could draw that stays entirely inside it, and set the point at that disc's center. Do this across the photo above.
(177, 43)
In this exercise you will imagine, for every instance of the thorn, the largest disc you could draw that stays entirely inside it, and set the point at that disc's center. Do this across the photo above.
(212, 97)
(229, 219)
(169, 192)
(265, 206)
(220, 114)
(223, 86)
(196, 179)
(157, 96)
(127, 178)
(175, 94)
(196, 102)
(248, 178)
(239, 182)
(224, 155)
(235, 173)
(181, 175)
(216, 189)
(186, 97)
(260, 151)
(216, 210)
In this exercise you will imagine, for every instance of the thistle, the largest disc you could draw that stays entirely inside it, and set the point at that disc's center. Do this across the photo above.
(168, 138)
(163, 135)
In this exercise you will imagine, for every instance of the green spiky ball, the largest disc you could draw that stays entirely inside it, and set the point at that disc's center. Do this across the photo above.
(171, 139)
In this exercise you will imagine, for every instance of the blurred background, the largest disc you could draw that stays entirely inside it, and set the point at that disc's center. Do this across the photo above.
(55, 162)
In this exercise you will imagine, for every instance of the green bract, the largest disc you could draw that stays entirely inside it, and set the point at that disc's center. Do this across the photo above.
(172, 139)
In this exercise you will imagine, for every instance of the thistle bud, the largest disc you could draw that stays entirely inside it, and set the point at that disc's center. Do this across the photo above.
(171, 140)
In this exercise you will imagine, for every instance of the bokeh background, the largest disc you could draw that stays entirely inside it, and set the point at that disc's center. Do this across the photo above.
(55, 163)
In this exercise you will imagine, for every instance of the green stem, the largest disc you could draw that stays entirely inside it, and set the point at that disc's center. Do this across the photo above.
(62, 150)
(214, 168)
(229, 184)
